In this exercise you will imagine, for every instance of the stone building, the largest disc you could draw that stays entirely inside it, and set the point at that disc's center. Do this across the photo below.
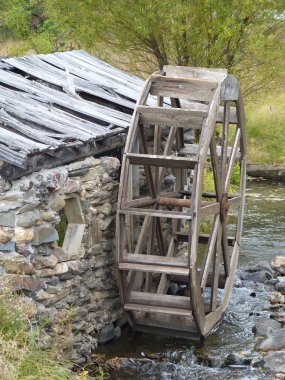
(63, 122)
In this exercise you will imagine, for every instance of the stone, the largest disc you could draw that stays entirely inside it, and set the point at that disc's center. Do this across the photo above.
(5, 185)
(276, 298)
(117, 332)
(54, 298)
(27, 219)
(106, 222)
(49, 216)
(25, 249)
(260, 276)
(7, 219)
(5, 235)
(44, 234)
(57, 203)
(53, 289)
(72, 186)
(41, 262)
(24, 282)
(105, 209)
(280, 286)
(110, 164)
(23, 235)
(260, 266)
(106, 334)
(276, 341)
(29, 307)
(85, 164)
(266, 327)
(42, 295)
(28, 207)
(237, 359)
(280, 316)
(19, 265)
(60, 268)
(76, 266)
(6, 206)
(278, 264)
(26, 185)
(50, 299)
(10, 246)
(275, 361)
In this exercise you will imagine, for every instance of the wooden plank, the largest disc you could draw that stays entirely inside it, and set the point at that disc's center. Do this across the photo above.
(213, 318)
(38, 68)
(171, 325)
(232, 158)
(41, 93)
(156, 213)
(15, 158)
(154, 299)
(206, 194)
(209, 252)
(202, 239)
(155, 259)
(168, 330)
(175, 117)
(214, 74)
(158, 309)
(71, 243)
(211, 209)
(230, 89)
(193, 149)
(142, 236)
(197, 300)
(161, 161)
(194, 89)
(209, 282)
(216, 267)
(154, 268)
(72, 153)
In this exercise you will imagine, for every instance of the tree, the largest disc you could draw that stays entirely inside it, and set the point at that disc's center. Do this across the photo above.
(246, 37)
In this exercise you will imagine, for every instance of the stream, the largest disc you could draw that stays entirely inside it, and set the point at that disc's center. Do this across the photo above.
(156, 357)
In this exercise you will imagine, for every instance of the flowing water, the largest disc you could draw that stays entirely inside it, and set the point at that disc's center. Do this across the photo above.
(155, 357)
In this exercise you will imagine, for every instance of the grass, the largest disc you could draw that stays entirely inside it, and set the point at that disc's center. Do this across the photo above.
(21, 357)
(266, 130)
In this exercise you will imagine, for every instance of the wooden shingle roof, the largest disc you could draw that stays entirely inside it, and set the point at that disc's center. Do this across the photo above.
(51, 104)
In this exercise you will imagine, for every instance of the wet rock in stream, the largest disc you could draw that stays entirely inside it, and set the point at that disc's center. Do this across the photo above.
(276, 341)
(266, 327)
(275, 361)
(278, 264)
(237, 359)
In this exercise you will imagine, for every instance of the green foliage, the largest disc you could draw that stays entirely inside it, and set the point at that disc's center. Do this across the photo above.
(61, 228)
(265, 130)
(208, 180)
(244, 36)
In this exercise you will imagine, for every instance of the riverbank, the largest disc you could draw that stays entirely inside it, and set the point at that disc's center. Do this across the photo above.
(271, 172)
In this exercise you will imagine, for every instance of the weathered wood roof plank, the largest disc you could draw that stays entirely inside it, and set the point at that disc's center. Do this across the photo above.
(43, 107)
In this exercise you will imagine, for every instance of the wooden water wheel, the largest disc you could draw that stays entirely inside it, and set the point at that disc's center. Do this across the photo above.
(181, 201)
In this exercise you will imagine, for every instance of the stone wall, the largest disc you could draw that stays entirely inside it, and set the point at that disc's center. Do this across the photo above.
(79, 278)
